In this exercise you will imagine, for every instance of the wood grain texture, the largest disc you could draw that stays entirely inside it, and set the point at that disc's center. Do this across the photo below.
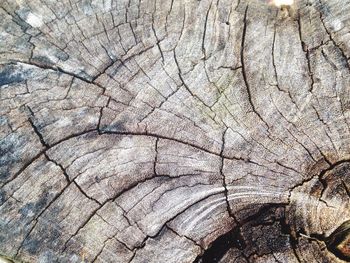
(174, 131)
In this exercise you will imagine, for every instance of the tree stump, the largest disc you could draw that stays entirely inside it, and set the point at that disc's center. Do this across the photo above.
(175, 131)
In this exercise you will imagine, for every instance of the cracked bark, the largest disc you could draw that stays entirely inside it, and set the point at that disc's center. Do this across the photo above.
(174, 131)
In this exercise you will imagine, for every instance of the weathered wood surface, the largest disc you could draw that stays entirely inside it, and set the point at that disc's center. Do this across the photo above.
(174, 131)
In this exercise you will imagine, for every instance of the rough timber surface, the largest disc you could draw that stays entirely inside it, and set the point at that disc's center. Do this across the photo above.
(174, 131)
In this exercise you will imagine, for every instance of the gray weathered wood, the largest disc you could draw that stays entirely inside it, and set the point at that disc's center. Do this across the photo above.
(174, 131)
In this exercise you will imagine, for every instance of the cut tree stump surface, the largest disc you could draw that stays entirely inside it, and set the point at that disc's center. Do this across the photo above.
(174, 131)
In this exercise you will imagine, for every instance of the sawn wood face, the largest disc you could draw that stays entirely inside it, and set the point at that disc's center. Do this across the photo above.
(174, 131)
